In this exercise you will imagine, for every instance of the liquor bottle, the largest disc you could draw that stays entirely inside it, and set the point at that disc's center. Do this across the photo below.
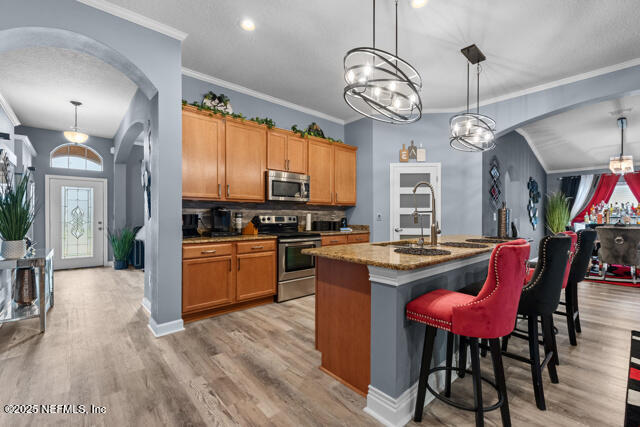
(422, 154)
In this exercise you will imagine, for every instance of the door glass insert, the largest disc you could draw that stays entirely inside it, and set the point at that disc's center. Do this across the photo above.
(406, 221)
(77, 222)
(423, 201)
(408, 180)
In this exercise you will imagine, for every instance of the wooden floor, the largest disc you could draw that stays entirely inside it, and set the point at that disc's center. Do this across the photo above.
(259, 367)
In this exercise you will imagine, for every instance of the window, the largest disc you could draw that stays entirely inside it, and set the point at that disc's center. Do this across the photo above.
(76, 156)
(622, 195)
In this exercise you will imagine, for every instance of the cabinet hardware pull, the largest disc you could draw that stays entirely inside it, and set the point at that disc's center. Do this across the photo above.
(219, 190)
(228, 186)
(336, 197)
(335, 241)
(238, 264)
(229, 264)
(210, 251)
(257, 247)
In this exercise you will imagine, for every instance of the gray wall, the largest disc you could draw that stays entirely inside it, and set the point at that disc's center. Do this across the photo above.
(152, 61)
(516, 163)
(360, 134)
(6, 126)
(135, 195)
(44, 141)
(194, 89)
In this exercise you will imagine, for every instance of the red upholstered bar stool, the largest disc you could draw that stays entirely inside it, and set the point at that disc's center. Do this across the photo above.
(490, 315)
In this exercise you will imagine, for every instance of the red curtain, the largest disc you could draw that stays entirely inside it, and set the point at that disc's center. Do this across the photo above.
(603, 193)
(633, 181)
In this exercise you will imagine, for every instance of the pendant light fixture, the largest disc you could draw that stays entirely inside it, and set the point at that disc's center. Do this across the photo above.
(74, 135)
(381, 85)
(621, 164)
(472, 131)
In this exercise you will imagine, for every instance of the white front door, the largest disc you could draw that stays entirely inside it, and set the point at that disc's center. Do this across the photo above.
(404, 176)
(75, 221)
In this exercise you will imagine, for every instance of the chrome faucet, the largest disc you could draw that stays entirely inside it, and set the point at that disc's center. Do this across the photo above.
(416, 214)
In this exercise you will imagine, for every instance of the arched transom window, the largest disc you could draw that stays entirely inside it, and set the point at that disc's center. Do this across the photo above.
(76, 156)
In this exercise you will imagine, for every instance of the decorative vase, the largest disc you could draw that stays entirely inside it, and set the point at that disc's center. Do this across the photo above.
(24, 286)
(13, 249)
(120, 264)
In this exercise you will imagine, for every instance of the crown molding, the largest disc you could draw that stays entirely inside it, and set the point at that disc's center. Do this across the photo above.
(27, 143)
(242, 89)
(636, 167)
(4, 104)
(536, 153)
(136, 18)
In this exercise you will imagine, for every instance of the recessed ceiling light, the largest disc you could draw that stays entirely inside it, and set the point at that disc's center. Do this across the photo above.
(417, 4)
(248, 24)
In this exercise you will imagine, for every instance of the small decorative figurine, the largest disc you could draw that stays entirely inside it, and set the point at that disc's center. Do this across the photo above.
(413, 152)
(404, 154)
(422, 154)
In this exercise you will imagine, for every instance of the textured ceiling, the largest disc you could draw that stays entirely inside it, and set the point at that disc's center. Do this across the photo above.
(585, 138)
(39, 82)
(296, 51)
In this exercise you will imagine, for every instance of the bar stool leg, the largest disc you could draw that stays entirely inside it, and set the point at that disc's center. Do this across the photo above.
(477, 381)
(483, 349)
(447, 379)
(569, 297)
(462, 357)
(498, 371)
(549, 346)
(534, 355)
(576, 309)
(554, 345)
(427, 353)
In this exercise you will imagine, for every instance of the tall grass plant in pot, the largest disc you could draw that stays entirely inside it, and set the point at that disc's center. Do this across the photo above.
(557, 212)
(122, 244)
(16, 217)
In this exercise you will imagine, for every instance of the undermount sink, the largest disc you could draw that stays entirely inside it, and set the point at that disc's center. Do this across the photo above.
(399, 244)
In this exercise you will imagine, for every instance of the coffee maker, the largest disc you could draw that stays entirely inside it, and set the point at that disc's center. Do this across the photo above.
(220, 220)
(190, 225)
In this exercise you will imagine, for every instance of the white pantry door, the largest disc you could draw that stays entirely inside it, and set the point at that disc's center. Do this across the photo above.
(75, 221)
(403, 178)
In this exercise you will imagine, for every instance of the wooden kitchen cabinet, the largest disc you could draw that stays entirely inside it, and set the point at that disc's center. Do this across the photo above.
(206, 283)
(203, 145)
(246, 156)
(256, 275)
(336, 239)
(345, 175)
(358, 238)
(218, 278)
(286, 151)
(321, 174)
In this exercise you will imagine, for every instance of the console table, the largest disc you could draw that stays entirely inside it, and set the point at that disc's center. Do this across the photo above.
(42, 261)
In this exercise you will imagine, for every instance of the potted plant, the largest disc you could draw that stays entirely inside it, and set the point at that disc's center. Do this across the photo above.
(557, 213)
(122, 243)
(16, 217)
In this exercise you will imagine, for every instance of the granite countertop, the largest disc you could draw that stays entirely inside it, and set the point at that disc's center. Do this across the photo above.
(382, 254)
(240, 237)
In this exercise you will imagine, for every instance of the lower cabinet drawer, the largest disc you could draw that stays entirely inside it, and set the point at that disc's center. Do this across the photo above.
(358, 238)
(334, 240)
(256, 246)
(206, 250)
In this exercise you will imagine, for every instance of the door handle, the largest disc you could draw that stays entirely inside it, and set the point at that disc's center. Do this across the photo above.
(210, 251)
(397, 230)
(228, 187)
(219, 190)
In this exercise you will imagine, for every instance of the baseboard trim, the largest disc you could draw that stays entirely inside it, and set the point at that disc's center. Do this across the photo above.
(146, 304)
(396, 412)
(167, 328)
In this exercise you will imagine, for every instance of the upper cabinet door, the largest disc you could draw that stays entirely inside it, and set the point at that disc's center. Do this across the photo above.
(276, 150)
(345, 175)
(320, 172)
(202, 156)
(296, 154)
(246, 161)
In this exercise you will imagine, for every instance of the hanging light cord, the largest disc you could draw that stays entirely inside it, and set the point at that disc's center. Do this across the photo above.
(374, 24)
(467, 87)
(622, 126)
(76, 122)
(478, 90)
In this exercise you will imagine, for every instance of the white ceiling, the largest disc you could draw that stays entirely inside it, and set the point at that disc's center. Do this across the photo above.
(297, 49)
(585, 138)
(39, 82)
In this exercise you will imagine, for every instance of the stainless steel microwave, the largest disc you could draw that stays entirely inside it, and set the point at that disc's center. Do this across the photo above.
(287, 186)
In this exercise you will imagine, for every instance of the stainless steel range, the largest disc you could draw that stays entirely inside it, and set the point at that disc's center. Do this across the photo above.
(296, 272)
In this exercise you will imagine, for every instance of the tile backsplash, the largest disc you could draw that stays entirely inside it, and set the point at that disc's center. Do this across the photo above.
(249, 210)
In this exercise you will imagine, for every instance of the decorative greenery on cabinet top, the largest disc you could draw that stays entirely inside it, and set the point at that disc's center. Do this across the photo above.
(269, 123)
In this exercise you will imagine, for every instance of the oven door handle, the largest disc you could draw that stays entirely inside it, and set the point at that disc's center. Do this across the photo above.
(301, 240)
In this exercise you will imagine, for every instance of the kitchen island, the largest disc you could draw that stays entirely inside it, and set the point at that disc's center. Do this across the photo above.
(361, 329)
